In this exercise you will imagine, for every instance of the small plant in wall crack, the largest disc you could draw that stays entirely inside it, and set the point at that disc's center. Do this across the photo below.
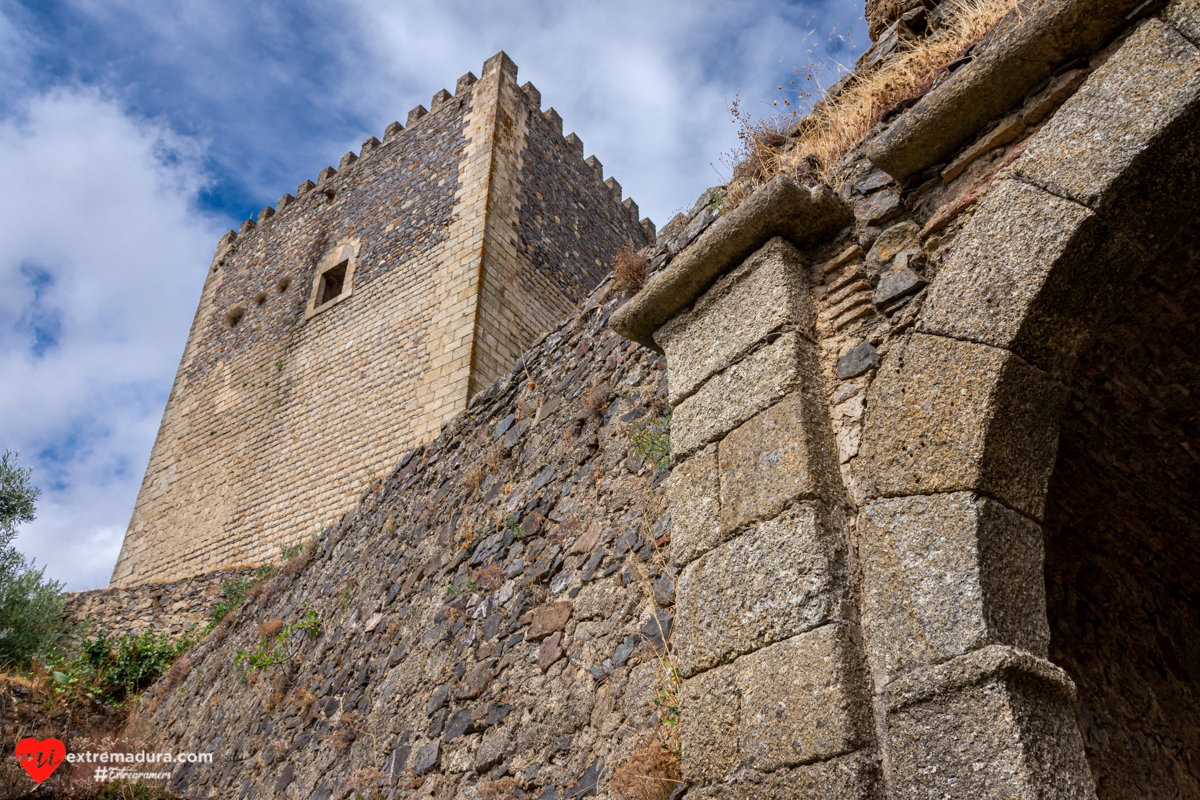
(630, 270)
(278, 643)
(666, 699)
(654, 770)
(652, 442)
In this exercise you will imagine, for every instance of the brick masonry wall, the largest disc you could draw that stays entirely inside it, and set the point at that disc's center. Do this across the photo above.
(281, 413)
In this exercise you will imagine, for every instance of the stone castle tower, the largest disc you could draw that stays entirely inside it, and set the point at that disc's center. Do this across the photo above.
(350, 321)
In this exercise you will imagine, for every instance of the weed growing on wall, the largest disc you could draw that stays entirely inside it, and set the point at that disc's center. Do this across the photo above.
(595, 399)
(654, 771)
(651, 773)
(630, 270)
(293, 556)
(115, 670)
(652, 442)
(278, 643)
(234, 592)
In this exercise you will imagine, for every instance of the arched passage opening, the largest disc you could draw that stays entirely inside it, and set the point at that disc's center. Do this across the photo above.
(1122, 534)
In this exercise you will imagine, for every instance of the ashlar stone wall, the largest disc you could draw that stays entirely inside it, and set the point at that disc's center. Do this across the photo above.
(984, 259)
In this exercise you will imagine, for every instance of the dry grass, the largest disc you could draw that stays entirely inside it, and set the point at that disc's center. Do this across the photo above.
(296, 564)
(176, 674)
(594, 401)
(301, 697)
(499, 789)
(667, 681)
(221, 631)
(281, 684)
(651, 773)
(823, 137)
(269, 628)
(255, 592)
(489, 463)
(349, 728)
(367, 782)
(630, 270)
(490, 578)
(473, 479)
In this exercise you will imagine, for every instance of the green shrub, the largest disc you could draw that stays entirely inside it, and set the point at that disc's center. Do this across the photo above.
(289, 551)
(31, 617)
(31, 607)
(112, 669)
(279, 647)
(18, 501)
(234, 590)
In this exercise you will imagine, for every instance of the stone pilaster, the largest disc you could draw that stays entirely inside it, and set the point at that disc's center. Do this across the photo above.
(774, 680)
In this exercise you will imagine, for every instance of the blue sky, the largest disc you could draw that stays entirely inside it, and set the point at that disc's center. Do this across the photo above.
(133, 134)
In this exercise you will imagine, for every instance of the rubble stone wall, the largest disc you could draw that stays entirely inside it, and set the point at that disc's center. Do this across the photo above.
(173, 608)
(492, 613)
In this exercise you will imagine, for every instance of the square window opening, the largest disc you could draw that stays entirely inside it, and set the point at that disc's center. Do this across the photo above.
(333, 281)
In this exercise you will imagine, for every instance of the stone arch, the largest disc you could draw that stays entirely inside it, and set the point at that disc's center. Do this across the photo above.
(963, 425)
(1121, 534)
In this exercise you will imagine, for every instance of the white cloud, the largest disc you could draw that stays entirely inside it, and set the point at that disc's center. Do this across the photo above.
(102, 256)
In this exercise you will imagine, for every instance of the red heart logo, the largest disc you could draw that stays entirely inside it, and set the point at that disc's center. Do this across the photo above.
(40, 758)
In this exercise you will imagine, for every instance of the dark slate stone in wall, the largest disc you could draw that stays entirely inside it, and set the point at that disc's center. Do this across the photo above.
(571, 224)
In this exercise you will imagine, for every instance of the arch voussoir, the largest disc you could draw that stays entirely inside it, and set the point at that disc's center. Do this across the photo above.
(947, 415)
(963, 418)
(1033, 273)
(1125, 145)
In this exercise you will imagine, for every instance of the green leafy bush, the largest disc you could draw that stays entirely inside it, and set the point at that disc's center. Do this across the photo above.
(31, 617)
(31, 607)
(115, 669)
(234, 590)
(279, 647)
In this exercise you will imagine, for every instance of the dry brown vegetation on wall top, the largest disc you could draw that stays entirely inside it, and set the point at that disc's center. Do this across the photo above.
(815, 148)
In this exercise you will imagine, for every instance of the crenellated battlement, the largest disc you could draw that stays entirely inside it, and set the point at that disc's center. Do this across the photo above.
(571, 143)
